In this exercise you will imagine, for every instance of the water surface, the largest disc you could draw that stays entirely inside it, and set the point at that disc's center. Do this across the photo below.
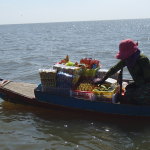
(26, 48)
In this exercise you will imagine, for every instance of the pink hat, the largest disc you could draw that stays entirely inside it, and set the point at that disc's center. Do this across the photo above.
(126, 49)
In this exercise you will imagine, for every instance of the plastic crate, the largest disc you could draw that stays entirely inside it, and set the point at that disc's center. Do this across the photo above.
(82, 94)
(89, 72)
(56, 90)
(72, 70)
(48, 82)
(47, 73)
(104, 95)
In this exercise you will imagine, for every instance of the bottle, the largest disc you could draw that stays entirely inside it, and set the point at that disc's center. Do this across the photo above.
(67, 58)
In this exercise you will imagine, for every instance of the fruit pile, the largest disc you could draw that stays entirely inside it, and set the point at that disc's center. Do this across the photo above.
(103, 87)
(85, 86)
(90, 63)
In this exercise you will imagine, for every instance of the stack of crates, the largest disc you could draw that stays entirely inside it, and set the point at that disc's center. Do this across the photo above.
(48, 78)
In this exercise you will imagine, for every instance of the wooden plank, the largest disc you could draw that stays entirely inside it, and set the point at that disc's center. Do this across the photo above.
(25, 89)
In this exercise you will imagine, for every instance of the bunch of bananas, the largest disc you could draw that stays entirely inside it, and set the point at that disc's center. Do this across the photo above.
(85, 87)
(102, 88)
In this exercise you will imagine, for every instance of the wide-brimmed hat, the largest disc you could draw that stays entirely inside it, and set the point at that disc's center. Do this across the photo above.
(126, 49)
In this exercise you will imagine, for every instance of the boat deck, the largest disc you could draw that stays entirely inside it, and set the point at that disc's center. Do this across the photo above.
(20, 88)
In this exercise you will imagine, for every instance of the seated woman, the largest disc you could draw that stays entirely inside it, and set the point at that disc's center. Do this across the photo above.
(138, 66)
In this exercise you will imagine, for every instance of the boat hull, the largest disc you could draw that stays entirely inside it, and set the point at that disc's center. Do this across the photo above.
(31, 94)
(93, 106)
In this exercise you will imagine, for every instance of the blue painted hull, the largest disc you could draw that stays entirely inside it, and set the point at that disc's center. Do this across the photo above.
(94, 106)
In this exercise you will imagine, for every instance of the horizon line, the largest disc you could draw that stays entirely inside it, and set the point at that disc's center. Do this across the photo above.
(73, 21)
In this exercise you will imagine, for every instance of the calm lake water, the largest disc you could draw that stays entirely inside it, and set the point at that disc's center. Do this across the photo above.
(26, 48)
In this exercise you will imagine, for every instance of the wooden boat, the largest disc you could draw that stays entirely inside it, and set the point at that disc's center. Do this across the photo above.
(32, 94)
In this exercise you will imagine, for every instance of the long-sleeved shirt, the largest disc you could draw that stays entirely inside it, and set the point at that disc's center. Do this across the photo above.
(140, 72)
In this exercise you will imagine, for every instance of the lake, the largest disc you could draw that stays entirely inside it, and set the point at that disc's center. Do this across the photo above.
(25, 48)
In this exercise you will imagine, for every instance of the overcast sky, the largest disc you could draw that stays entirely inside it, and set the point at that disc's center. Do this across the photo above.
(38, 11)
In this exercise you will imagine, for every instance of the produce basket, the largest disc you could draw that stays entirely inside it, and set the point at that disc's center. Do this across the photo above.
(48, 82)
(48, 77)
(47, 73)
(103, 95)
(89, 72)
(87, 95)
